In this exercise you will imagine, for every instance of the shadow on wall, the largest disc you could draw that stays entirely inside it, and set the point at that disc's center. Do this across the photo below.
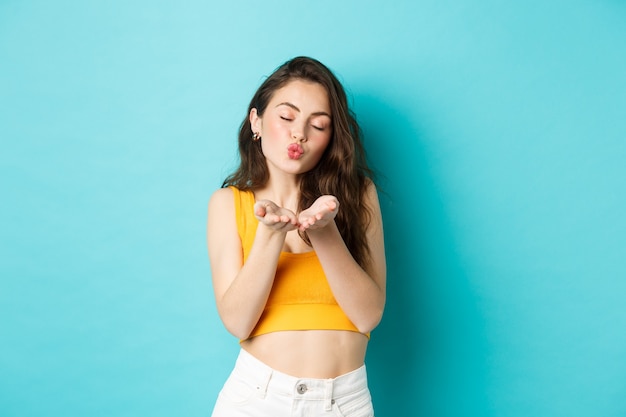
(426, 350)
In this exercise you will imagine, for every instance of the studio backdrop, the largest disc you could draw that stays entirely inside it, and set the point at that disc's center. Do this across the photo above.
(498, 134)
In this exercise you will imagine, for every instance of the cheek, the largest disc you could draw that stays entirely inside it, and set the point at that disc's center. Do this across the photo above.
(321, 143)
(324, 140)
(274, 128)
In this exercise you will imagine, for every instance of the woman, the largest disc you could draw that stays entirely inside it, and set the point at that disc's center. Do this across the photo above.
(297, 256)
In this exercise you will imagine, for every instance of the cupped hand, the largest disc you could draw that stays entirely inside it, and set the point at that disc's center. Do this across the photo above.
(321, 212)
(275, 217)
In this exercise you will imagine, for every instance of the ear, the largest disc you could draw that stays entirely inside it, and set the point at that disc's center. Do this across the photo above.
(256, 123)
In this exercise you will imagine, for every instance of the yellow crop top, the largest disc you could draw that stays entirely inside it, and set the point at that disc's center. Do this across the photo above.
(301, 298)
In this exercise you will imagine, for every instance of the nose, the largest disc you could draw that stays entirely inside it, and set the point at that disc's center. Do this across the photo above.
(298, 135)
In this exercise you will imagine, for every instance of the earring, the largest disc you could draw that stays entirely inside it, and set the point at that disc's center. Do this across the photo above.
(256, 137)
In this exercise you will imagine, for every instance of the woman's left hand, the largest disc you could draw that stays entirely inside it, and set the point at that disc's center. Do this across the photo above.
(321, 212)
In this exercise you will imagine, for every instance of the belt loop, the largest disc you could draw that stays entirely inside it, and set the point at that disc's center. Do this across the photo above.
(328, 395)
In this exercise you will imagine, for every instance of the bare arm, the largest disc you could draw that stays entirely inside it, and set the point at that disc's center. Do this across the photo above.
(241, 290)
(360, 293)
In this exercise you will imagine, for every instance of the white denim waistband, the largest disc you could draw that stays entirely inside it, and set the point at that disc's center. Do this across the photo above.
(268, 379)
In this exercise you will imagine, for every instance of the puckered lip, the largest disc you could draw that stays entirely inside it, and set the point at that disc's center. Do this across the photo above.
(295, 151)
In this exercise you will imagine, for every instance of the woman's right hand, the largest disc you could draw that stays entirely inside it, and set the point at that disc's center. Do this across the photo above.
(275, 217)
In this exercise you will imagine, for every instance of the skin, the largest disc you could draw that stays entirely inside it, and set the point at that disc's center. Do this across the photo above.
(297, 113)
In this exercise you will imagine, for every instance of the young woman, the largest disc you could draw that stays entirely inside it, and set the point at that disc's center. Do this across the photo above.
(295, 242)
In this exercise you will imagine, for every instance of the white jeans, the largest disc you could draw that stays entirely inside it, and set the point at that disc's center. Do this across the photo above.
(253, 389)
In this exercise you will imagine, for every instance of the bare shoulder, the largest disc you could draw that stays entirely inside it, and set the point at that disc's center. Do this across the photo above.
(223, 243)
(377, 267)
(221, 199)
(221, 217)
(371, 194)
(223, 240)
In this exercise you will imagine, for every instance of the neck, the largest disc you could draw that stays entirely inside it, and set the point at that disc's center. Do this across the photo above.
(283, 190)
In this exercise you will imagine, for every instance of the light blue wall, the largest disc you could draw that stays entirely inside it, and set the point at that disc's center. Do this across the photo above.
(499, 131)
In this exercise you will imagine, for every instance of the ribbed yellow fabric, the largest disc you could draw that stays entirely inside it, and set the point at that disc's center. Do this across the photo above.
(301, 298)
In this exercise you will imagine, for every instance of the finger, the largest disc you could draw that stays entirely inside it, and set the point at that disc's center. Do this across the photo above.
(269, 208)
(259, 210)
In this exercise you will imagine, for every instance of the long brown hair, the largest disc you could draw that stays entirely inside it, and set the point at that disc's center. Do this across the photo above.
(342, 171)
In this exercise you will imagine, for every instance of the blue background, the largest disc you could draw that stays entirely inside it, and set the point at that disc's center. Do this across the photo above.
(498, 130)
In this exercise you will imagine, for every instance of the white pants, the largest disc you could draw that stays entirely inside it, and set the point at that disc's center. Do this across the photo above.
(253, 389)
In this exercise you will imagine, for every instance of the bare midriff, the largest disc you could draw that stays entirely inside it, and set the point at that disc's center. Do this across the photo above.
(310, 353)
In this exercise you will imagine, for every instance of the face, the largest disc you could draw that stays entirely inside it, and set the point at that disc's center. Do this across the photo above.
(295, 127)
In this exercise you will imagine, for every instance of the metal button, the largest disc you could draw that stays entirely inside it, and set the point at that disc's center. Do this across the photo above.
(301, 388)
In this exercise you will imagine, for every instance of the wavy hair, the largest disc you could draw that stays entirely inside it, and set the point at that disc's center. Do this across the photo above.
(342, 170)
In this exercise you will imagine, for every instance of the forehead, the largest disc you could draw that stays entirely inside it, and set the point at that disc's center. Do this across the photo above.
(306, 95)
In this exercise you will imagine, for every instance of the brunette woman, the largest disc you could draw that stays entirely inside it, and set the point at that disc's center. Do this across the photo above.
(295, 241)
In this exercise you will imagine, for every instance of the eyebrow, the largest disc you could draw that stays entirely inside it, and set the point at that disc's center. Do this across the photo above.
(293, 106)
